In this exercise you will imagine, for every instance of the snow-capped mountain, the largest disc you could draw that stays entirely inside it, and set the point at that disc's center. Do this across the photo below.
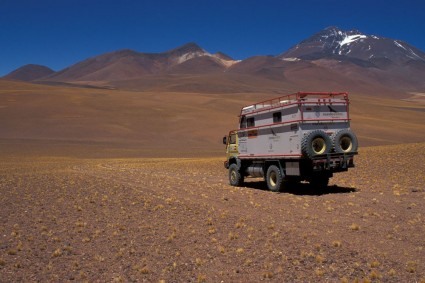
(353, 44)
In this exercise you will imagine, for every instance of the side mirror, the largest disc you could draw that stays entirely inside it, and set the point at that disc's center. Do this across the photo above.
(224, 140)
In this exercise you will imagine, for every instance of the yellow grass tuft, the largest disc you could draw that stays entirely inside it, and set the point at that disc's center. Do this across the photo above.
(354, 227)
(411, 266)
(374, 275)
(232, 236)
(320, 259)
(198, 261)
(392, 272)
(319, 272)
(58, 252)
(201, 278)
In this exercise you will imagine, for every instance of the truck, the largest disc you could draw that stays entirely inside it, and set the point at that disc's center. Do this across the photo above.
(300, 137)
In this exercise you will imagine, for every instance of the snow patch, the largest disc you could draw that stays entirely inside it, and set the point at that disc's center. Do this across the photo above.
(291, 59)
(399, 45)
(187, 56)
(225, 63)
(351, 38)
(414, 54)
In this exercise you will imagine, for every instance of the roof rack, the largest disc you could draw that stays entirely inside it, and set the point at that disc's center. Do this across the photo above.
(295, 98)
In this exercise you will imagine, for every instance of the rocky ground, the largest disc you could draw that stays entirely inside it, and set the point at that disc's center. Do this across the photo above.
(178, 220)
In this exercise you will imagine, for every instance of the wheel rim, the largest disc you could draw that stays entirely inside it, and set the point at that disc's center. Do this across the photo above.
(346, 144)
(273, 179)
(318, 145)
(233, 176)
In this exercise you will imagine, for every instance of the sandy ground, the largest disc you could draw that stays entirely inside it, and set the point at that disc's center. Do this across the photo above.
(178, 220)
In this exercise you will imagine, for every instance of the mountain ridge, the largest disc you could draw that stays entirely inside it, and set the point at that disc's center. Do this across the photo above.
(345, 56)
(129, 64)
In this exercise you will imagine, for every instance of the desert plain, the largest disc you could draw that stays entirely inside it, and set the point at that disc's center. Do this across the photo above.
(108, 185)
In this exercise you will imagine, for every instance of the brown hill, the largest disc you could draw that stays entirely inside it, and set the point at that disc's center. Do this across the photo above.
(115, 65)
(129, 64)
(29, 73)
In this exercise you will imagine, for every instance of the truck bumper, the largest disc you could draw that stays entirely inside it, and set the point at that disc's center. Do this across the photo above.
(334, 162)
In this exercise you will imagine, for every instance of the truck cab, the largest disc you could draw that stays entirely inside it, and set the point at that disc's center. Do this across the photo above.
(231, 142)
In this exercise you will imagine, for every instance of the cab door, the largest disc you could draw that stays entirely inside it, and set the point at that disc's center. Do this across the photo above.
(232, 145)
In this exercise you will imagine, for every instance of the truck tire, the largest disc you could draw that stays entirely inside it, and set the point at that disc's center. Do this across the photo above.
(274, 178)
(344, 141)
(235, 177)
(316, 143)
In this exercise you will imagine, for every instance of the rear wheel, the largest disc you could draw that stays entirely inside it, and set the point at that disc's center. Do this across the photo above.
(235, 176)
(274, 178)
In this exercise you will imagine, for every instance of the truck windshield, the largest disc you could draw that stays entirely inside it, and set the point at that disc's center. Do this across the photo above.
(232, 139)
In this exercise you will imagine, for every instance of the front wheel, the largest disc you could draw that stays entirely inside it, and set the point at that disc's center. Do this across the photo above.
(235, 176)
(274, 178)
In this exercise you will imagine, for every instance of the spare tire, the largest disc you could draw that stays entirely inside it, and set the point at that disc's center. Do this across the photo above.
(315, 143)
(344, 141)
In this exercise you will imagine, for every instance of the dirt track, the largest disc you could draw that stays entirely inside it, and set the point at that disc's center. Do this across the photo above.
(176, 220)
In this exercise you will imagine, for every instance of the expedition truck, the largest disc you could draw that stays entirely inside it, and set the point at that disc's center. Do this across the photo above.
(298, 137)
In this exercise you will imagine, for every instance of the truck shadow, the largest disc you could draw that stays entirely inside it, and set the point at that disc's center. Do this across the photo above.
(303, 189)
(306, 189)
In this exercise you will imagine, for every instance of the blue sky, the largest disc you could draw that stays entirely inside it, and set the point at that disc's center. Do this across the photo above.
(58, 33)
